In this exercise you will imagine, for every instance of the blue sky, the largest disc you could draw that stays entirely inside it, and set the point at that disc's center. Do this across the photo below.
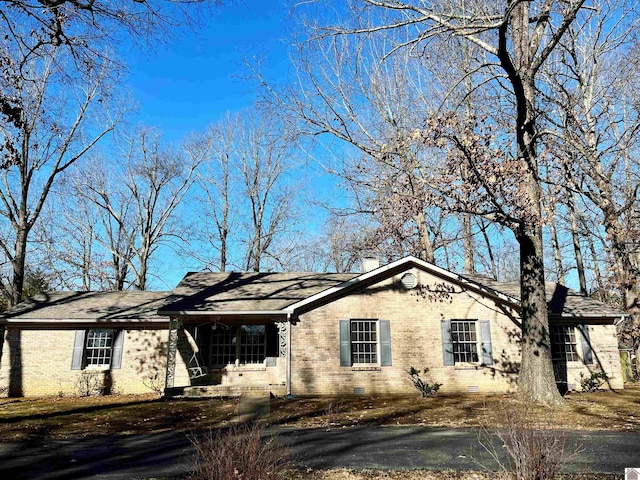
(197, 76)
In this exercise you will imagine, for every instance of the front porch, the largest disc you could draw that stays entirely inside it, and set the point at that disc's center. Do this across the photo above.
(212, 357)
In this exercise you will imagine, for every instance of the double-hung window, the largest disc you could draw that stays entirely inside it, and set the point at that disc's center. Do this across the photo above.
(564, 344)
(464, 338)
(365, 342)
(97, 348)
(565, 340)
(466, 341)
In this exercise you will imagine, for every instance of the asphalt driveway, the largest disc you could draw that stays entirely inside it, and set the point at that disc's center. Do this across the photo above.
(170, 454)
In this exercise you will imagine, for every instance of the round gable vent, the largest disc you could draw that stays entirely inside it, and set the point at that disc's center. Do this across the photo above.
(409, 281)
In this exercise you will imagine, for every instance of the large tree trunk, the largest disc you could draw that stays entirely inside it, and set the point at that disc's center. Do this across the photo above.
(18, 264)
(626, 276)
(536, 379)
(469, 249)
(424, 240)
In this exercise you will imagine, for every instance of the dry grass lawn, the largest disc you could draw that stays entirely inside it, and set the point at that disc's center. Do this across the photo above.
(65, 417)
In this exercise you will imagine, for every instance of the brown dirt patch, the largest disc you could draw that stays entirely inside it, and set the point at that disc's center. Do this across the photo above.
(598, 411)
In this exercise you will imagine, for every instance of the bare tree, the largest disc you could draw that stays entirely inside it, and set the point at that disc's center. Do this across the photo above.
(60, 119)
(264, 156)
(596, 123)
(520, 36)
(218, 185)
(246, 194)
(137, 201)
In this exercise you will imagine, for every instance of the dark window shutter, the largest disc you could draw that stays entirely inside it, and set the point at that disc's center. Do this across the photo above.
(116, 354)
(447, 343)
(78, 350)
(587, 352)
(345, 343)
(272, 339)
(385, 343)
(485, 336)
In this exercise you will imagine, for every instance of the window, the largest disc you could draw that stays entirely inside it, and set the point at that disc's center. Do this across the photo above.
(365, 342)
(564, 344)
(252, 343)
(97, 348)
(465, 341)
(225, 348)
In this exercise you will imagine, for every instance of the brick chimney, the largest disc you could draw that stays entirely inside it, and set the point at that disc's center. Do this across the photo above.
(369, 263)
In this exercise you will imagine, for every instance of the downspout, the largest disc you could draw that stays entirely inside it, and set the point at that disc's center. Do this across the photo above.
(289, 325)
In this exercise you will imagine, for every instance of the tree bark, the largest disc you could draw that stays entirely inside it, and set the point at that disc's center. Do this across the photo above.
(535, 379)
(469, 249)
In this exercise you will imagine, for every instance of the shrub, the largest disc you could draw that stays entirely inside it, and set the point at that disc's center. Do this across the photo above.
(154, 381)
(240, 453)
(88, 384)
(533, 451)
(426, 389)
(593, 382)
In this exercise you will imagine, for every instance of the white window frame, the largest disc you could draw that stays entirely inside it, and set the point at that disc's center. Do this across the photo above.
(377, 352)
(88, 352)
(561, 347)
(236, 333)
(477, 342)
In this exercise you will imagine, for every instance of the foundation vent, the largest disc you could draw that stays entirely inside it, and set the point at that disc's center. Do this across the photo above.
(358, 391)
(473, 389)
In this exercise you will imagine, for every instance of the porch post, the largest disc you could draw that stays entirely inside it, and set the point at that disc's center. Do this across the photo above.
(172, 348)
(284, 340)
(289, 354)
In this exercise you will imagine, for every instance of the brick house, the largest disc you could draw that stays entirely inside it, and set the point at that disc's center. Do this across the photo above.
(302, 334)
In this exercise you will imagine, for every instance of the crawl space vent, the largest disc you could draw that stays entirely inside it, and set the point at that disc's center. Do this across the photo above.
(358, 391)
(409, 281)
(473, 389)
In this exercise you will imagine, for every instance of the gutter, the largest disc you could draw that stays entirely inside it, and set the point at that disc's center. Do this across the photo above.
(222, 313)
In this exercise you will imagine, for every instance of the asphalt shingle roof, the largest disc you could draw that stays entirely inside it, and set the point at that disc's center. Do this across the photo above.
(205, 292)
(247, 292)
(127, 305)
(560, 299)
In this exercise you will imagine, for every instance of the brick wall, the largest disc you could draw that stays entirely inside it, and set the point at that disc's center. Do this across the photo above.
(40, 362)
(416, 341)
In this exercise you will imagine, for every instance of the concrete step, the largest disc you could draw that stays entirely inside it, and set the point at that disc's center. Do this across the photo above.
(213, 391)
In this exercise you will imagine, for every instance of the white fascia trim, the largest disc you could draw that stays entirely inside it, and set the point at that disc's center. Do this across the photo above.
(398, 263)
(59, 321)
(225, 313)
(615, 318)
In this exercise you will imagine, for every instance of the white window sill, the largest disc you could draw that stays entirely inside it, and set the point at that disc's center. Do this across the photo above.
(467, 366)
(366, 368)
(241, 368)
(96, 368)
(575, 365)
